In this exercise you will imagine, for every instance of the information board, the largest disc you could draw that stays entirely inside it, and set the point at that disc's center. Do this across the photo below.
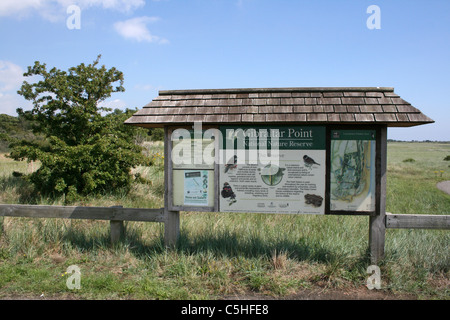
(273, 169)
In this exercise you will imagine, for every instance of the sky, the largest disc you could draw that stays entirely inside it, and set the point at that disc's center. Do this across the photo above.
(214, 44)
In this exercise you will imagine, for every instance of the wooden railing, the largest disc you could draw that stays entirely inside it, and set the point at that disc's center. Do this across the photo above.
(116, 215)
(417, 221)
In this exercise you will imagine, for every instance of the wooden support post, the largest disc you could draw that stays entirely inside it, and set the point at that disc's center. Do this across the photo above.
(2, 222)
(171, 218)
(117, 227)
(171, 228)
(117, 231)
(377, 226)
(377, 235)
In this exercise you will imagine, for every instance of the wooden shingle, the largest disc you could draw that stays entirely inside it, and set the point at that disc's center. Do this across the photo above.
(350, 105)
(364, 117)
(302, 109)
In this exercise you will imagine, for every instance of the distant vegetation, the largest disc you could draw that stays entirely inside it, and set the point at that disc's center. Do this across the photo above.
(420, 141)
(14, 128)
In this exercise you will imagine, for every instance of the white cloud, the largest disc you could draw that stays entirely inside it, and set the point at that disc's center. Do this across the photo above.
(136, 29)
(10, 102)
(119, 5)
(113, 104)
(55, 10)
(11, 78)
(14, 7)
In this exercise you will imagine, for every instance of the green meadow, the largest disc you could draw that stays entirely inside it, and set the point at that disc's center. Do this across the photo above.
(228, 255)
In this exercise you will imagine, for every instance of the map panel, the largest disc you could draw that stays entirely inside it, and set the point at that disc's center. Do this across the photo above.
(352, 173)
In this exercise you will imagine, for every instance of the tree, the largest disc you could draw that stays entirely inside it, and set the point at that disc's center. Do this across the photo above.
(84, 152)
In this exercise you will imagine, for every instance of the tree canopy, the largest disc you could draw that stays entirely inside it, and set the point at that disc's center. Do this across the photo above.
(87, 150)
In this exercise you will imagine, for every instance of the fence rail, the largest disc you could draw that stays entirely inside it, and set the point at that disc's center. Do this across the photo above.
(116, 215)
(417, 221)
(93, 213)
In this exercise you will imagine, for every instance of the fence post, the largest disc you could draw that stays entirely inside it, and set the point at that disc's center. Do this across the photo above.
(2, 222)
(117, 227)
(171, 218)
(377, 224)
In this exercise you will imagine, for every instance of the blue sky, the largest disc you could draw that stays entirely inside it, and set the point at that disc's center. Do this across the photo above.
(204, 44)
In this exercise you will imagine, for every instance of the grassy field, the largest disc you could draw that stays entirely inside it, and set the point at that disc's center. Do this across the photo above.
(221, 255)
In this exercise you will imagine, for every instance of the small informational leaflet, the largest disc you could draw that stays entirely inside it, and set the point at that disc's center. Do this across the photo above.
(192, 171)
(196, 187)
(352, 172)
(273, 169)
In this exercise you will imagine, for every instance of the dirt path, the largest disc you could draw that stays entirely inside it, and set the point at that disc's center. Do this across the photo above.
(328, 294)
(316, 293)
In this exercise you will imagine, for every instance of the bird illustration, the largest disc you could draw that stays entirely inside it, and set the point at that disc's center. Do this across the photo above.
(231, 164)
(309, 161)
(227, 192)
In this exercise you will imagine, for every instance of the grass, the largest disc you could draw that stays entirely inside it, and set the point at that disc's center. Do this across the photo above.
(411, 186)
(228, 254)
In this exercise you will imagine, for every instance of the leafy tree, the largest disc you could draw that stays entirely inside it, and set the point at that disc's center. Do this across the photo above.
(85, 152)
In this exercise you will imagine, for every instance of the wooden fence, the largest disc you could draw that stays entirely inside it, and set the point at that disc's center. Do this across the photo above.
(117, 214)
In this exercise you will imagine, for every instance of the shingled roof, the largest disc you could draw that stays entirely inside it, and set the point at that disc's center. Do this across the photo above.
(358, 105)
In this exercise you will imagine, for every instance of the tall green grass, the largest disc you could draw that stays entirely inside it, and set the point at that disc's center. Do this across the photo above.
(411, 186)
(227, 254)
